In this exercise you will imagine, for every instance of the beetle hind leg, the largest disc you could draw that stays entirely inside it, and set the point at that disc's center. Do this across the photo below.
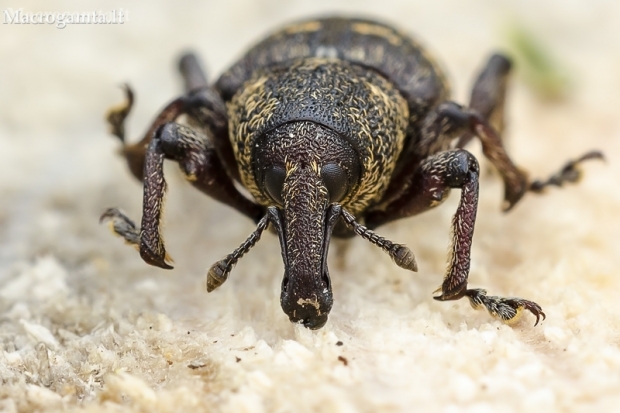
(193, 75)
(135, 154)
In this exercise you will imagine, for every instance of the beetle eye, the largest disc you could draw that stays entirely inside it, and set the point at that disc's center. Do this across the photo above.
(336, 181)
(274, 181)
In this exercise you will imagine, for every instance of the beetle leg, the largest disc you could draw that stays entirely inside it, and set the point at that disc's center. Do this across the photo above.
(489, 95)
(516, 182)
(191, 151)
(122, 226)
(135, 153)
(209, 110)
(147, 240)
(487, 100)
(508, 310)
(430, 186)
(203, 106)
(449, 120)
(461, 171)
(117, 115)
(193, 75)
(569, 173)
(200, 165)
(426, 188)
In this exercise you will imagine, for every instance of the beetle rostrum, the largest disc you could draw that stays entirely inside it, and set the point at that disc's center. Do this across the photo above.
(335, 126)
(306, 167)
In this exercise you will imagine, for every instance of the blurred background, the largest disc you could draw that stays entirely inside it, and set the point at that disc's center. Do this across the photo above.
(59, 171)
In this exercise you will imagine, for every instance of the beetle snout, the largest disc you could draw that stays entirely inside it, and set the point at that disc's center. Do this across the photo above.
(307, 303)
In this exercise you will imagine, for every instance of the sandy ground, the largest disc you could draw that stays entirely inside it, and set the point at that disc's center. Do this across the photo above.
(85, 325)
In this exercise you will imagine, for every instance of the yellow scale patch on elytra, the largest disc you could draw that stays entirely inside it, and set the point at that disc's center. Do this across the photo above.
(311, 26)
(377, 30)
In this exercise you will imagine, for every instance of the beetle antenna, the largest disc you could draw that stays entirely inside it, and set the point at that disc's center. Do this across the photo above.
(218, 273)
(402, 256)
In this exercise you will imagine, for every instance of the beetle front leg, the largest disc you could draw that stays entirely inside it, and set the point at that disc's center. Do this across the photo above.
(148, 238)
(201, 166)
(430, 186)
(460, 170)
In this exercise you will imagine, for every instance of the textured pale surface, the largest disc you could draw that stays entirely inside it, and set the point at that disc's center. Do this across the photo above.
(86, 326)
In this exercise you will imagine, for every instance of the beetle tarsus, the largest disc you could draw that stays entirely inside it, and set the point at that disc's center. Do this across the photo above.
(116, 115)
(570, 173)
(122, 226)
(509, 310)
(125, 228)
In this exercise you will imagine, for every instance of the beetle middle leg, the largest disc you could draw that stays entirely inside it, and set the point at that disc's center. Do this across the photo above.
(202, 105)
(429, 186)
(450, 119)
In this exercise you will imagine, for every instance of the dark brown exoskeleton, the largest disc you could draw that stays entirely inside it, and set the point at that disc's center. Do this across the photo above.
(330, 124)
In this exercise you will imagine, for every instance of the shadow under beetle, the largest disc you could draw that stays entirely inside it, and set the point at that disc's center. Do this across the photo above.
(330, 124)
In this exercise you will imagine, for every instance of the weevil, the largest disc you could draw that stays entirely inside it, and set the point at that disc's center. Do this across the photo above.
(334, 126)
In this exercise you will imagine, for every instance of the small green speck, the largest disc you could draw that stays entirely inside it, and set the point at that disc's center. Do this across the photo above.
(537, 65)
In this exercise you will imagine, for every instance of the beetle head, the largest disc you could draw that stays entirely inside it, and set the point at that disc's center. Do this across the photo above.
(305, 168)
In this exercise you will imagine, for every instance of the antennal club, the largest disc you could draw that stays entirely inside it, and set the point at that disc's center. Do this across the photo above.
(218, 273)
(402, 256)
